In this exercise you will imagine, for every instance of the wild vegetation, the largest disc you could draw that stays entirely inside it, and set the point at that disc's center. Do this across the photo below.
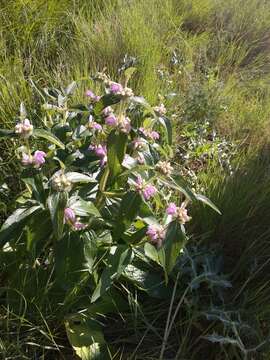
(208, 62)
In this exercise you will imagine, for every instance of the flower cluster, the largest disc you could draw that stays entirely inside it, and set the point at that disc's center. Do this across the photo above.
(179, 213)
(147, 190)
(164, 167)
(156, 233)
(148, 133)
(38, 159)
(117, 89)
(161, 110)
(60, 182)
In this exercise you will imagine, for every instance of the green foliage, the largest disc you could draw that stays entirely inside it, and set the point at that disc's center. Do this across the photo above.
(99, 191)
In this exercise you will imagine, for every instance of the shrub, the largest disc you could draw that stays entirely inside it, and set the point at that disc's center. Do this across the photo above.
(100, 194)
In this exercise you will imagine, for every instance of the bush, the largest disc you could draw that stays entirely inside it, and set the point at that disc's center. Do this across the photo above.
(100, 199)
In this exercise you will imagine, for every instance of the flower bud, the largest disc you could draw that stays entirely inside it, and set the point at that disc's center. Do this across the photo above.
(69, 215)
(161, 110)
(24, 128)
(111, 120)
(164, 167)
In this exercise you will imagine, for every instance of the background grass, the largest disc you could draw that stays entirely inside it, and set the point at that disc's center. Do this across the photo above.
(214, 56)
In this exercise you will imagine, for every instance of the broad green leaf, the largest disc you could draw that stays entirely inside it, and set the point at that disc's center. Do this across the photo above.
(13, 225)
(84, 208)
(47, 135)
(118, 259)
(129, 208)
(178, 184)
(106, 100)
(72, 260)
(57, 203)
(38, 231)
(208, 202)
(86, 338)
(151, 252)
(117, 144)
(76, 177)
(166, 123)
(173, 243)
(149, 281)
(90, 249)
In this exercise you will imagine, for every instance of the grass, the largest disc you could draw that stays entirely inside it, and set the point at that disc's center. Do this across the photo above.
(214, 55)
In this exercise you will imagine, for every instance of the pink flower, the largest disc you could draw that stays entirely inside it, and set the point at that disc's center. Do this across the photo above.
(143, 131)
(154, 135)
(156, 234)
(124, 125)
(182, 213)
(171, 209)
(111, 120)
(107, 111)
(139, 183)
(39, 158)
(94, 125)
(97, 126)
(24, 128)
(26, 159)
(149, 191)
(69, 216)
(116, 88)
(101, 152)
(138, 144)
(161, 110)
(92, 96)
(79, 226)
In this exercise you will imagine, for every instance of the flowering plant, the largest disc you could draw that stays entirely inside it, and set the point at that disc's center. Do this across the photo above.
(100, 190)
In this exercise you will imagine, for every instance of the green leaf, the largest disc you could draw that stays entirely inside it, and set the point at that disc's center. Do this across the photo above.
(151, 252)
(166, 123)
(86, 338)
(106, 100)
(7, 133)
(117, 144)
(57, 203)
(47, 135)
(76, 177)
(174, 242)
(177, 183)
(70, 261)
(208, 202)
(13, 226)
(129, 208)
(118, 259)
(90, 249)
(149, 281)
(84, 208)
